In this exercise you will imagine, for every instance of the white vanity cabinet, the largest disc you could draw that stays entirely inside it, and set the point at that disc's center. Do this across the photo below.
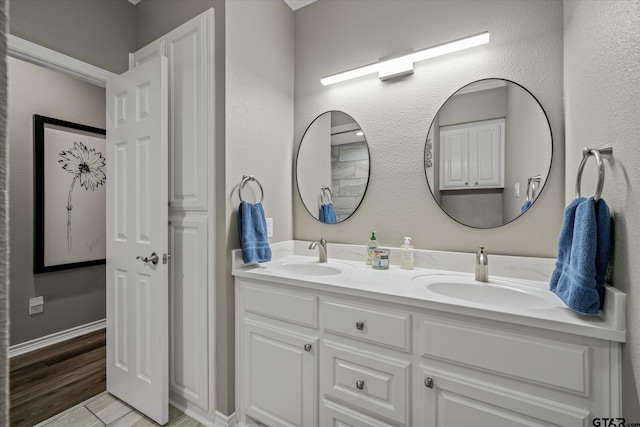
(472, 155)
(277, 355)
(373, 362)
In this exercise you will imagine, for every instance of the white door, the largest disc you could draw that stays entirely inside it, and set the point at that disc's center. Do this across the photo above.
(137, 189)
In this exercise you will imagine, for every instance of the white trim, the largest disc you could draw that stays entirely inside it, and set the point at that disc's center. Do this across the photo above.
(42, 342)
(222, 420)
(47, 58)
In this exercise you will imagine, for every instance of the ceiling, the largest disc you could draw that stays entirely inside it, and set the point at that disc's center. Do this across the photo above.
(297, 4)
(293, 4)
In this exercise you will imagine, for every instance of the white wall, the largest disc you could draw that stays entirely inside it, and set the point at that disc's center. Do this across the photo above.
(602, 104)
(259, 131)
(525, 46)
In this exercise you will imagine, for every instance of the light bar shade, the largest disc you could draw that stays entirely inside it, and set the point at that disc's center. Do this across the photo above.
(402, 65)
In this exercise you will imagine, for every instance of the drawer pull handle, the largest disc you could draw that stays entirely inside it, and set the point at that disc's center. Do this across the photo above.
(360, 326)
(360, 385)
(428, 382)
(307, 347)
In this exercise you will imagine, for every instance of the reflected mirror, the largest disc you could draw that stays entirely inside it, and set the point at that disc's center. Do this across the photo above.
(488, 153)
(332, 169)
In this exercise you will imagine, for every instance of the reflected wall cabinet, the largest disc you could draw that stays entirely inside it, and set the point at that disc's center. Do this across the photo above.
(472, 155)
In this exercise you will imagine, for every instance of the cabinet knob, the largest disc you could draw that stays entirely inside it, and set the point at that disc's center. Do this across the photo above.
(428, 382)
(360, 384)
(466, 183)
(307, 347)
(360, 326)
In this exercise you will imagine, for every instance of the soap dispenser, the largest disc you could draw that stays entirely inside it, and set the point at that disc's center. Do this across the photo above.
(371, 247)
(406, 255)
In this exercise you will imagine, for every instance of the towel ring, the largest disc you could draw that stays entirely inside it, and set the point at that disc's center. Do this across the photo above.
(323, 191)
(247, 178)
(532, 186)
(603, 152)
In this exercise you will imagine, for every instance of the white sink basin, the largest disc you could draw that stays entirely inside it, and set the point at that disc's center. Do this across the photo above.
(309, 268)
(496, 292)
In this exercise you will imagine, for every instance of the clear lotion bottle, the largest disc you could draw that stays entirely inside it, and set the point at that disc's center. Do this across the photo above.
(406, 255)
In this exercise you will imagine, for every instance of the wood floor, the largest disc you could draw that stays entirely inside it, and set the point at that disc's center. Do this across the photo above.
(48, 381)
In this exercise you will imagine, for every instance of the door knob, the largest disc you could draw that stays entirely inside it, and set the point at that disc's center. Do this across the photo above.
(153, 260)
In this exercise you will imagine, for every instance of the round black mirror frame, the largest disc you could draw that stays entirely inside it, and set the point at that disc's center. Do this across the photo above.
(364, 193)
(429, 184)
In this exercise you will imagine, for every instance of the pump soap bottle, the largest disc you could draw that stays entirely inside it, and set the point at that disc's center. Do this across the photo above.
(406, 255)
(371, 247)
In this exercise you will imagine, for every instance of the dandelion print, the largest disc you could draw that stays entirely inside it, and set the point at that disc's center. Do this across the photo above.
(87, 166)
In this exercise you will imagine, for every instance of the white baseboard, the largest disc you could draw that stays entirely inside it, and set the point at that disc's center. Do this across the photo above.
(38, 343)
(222, 420)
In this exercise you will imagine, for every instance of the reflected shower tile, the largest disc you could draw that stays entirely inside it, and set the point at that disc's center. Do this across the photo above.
(344, 202)
(355, 151)
(335, 153)
(362, 169)
(343, 170)
(353, 187)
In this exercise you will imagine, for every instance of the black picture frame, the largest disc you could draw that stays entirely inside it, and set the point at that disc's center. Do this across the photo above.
(51, 163)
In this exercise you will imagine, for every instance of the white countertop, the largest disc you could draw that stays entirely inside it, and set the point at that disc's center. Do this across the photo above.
(408, 287)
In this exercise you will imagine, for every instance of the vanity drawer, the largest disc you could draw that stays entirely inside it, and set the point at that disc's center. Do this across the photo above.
(559, 365)
(371, 382)
(280, 304)
(368, 323)
(332, 414)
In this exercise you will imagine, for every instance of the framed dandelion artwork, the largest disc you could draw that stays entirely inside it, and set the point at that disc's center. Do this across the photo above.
(70, 196)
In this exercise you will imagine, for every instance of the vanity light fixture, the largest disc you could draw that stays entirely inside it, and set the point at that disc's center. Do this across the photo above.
(388, 68)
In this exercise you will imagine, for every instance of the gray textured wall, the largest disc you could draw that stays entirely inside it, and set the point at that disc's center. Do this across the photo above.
(602, 101)
(72, 297)
(525, 46)
(259, 131)
(100, 32)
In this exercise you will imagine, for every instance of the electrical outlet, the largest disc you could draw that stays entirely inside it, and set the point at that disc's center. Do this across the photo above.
(36, 305)
(517, 189)
(269, 227)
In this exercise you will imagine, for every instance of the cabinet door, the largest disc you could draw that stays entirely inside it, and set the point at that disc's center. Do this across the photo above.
(454, 159)
(279, 371)
(486, 166)
(189, 49)
(449, 401)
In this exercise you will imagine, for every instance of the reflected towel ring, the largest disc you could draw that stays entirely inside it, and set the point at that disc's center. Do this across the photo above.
(247, 178)
(533, 182)
(323, 190)
(603, 152)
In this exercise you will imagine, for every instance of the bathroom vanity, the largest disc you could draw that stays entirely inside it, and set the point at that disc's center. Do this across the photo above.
(343, 344)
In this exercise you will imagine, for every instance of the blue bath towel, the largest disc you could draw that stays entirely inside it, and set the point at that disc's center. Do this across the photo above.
(252, 228)
(525, 206)
(583, 255)
(328, 214)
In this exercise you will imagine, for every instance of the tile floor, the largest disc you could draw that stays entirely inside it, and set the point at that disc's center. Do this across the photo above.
(106, 410)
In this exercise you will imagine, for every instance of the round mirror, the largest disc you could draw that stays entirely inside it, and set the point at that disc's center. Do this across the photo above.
(488, 153)
(332, 168)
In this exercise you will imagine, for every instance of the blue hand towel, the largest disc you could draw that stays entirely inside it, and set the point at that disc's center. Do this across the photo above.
(525, 206)
(583, 255)
(328, 214)
(252, 228)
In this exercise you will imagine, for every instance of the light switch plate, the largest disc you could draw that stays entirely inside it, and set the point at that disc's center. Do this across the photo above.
(36, 305)
(269, 227)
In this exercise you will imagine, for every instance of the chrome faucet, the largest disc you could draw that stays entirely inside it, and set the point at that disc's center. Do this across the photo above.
(482, 265)
(322, 249)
